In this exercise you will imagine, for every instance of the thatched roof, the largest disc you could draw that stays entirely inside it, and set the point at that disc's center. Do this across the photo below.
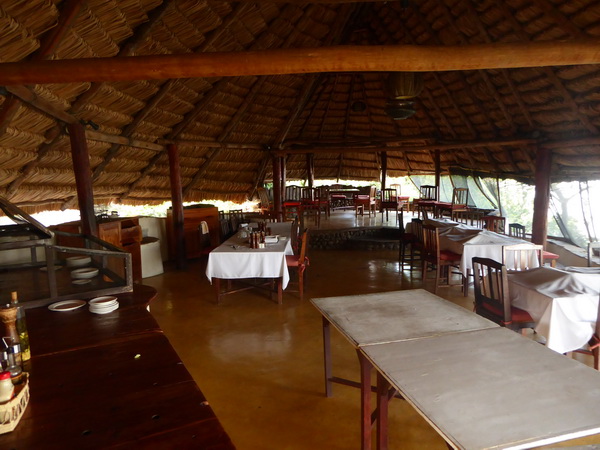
(487, 120)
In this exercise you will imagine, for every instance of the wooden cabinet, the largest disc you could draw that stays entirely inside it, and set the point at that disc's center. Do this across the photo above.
(195, 241)
(122, 232)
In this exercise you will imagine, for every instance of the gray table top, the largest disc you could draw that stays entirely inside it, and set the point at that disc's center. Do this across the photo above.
(394, 316)
(493, 388)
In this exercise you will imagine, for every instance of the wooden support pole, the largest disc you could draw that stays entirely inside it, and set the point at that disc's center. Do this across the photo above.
(438, 171)
(541, 202)
(277, 186)
(384, 162)
(83, 179)
(283, 174)
(347, 58)
(177, 206)
(310, 170)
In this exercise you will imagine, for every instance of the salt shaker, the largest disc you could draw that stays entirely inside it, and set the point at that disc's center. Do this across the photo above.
(7, 389)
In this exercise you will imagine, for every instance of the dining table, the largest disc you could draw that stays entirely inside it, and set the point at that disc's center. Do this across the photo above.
(563, 304)
(476, 383)
(471, 242)
(234, 259)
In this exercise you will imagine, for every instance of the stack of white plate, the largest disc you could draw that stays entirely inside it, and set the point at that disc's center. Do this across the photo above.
(103, 305)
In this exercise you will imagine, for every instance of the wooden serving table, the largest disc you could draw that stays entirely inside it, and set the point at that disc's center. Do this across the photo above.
(375, 319)
(110, 381)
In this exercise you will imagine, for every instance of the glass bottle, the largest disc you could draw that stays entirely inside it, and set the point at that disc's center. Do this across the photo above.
(14, 362)
(21, 327)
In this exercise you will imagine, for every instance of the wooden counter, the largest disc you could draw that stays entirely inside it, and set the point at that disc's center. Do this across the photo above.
(110, 381)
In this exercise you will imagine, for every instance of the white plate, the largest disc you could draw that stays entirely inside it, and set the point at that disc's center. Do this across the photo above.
(87, 272)
(78, 261)
(103, 310)
(107, 300)
(84, 281)
(66, 305)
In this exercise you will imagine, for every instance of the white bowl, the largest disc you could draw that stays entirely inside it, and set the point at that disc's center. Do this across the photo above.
(78, 261)
(87, 272)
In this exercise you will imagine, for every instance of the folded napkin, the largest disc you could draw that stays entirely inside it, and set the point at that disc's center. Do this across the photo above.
(271, 239)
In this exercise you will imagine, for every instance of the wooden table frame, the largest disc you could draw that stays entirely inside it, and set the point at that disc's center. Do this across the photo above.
(399, 301)
(273, 285)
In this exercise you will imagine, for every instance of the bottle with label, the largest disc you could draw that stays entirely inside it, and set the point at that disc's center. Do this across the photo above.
(21, 327)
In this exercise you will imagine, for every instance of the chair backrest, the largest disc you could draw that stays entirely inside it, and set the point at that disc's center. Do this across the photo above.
(417, 230)
(429, 192)
(372, 192)
(460, 196)
(491, 290)
(389, 195)
(516, 230)
(592, 246)
(431, 240)
(519, 257)
(303, 244)
(321, 193)
(398, 189)
(473, 218)
(294, 235)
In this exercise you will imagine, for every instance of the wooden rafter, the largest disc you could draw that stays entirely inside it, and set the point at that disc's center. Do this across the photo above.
(239, 114)
(361, 58)
(165, 89)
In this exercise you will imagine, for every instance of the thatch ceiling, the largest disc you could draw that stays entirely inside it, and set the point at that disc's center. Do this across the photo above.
(485, 120)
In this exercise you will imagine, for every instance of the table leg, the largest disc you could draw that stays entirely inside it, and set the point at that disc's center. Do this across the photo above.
(327, 356)
(280, 290)
(365, 401)
(383, 398)
(217, 284)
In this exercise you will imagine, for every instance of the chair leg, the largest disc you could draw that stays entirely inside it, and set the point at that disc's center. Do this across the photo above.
(596, 354)
(438, 268)
(301, 282)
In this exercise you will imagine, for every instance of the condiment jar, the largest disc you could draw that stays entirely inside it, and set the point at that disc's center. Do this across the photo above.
(15, 363)
(7, 389)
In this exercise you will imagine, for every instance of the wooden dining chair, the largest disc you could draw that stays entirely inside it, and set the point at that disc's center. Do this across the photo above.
(390, 200)
(516, 230)
(322, 198)
(520, 257)
(299, 262)
(412, 240)
(426, 202)
(365, 201)
(443, 260)
(491, 296)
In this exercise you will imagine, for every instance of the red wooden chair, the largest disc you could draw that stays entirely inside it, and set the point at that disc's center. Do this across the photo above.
(390, 200)
(444, 260)
(300, 262)
(491, 296)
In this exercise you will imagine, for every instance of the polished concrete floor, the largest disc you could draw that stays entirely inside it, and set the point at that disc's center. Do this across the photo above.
(260, 364)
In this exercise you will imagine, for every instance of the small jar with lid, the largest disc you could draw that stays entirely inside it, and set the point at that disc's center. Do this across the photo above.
(7, 389)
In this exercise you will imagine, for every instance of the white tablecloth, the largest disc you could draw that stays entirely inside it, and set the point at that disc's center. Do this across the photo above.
(234, 259)
(471, 242)
(563, 305)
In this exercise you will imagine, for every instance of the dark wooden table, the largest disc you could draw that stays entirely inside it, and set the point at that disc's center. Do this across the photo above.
(110, 381)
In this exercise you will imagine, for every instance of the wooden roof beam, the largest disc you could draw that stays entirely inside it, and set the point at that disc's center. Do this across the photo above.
(362, 58)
